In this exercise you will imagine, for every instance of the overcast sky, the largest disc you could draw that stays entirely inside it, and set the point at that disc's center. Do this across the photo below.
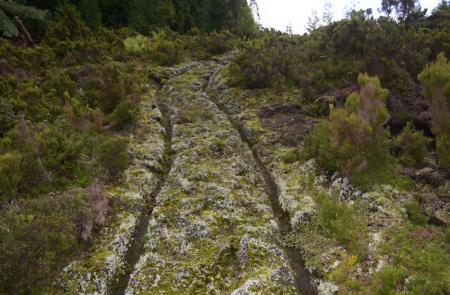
(279, 14)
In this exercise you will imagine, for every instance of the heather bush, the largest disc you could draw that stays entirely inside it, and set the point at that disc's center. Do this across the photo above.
(318, 146)
(112, 157)
(435, 79)
(354, 140)
(137, 45)
(107, 87)
(7, 116)
(125, 114)
(357, 133)
(413, 145)
(10, 175)
(165, 48)
(200, 45)
(273, 62)
(415, 214)
(38, 237)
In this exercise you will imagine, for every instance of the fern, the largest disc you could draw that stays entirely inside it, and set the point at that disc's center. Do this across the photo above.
(7, 27)
(24, 12)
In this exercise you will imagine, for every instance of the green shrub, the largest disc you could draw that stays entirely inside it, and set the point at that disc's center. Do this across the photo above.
(91, 13)
(38, 237)
(275, 62)
(343, 223)
(167, 52)
(108, 86)
(10, 175)
(388, 280)
(68, 25)
(357, 134)
(435, 79)
(419, 254)
(415, 214)
(201, 45)
(112, 156)
(354, 140)
(136, 45)
(413, 145)
(125, 114)
(318, 146)
(7, 116)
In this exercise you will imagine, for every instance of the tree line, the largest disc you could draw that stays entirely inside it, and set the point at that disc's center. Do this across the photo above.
(147, 15)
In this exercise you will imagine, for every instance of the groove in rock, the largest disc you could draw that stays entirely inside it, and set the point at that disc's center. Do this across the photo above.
(137, 246)
(302, 276)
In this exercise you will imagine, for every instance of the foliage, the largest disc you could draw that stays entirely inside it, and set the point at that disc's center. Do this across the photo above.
(344, 224)
(245, 25)
(332, 56)
(8, 26)
(435, 79)
(7, 116)
(418, 256)
(38, 237)
(138, 44)
(354, 141)
(200, 45)
(415, 214)
(388, 280)
(68, 24)
(406, 9)
(112, 156)
(356, 130)
(149, 15)
(318, 146)
(271, 62)
(125, 114)
(10, 175)
(90, 11)
(313, 22)
(413, 145)
(165, 48)
(179, 15)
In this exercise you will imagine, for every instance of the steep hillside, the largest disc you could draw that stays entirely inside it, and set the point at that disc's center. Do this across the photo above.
(169, 147)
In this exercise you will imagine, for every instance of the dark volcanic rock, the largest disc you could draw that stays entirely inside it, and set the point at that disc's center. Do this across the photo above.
(406, 107)
(292, 123)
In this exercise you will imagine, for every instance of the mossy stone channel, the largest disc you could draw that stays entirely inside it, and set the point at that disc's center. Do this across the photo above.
(302, 276)
(137, 248)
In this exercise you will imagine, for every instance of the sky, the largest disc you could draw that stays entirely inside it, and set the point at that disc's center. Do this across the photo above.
(279, 14)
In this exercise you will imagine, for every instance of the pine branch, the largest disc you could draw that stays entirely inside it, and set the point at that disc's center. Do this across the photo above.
(22, 11)
(7, 26)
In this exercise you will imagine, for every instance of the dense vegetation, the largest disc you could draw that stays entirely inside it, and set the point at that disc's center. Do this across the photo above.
(146, 15)
(328, 61)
